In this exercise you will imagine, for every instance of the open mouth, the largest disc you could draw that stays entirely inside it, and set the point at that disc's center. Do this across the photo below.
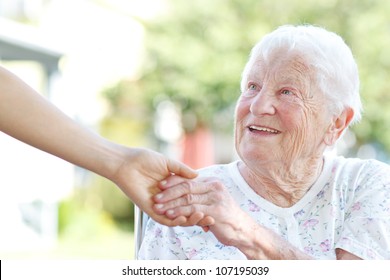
(255, 128)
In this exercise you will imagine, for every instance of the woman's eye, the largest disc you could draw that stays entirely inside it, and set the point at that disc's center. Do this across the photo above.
(252, 87)
(287, 92)
(251, 90)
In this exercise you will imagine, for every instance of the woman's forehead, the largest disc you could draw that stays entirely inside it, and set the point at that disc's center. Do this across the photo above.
(286, 63)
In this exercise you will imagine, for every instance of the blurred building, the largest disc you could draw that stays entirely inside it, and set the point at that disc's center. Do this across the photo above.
(67, 51)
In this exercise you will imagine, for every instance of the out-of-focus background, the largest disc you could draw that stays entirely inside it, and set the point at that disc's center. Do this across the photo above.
(162, 74)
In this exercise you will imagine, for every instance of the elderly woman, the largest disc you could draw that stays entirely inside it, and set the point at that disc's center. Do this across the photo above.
(287, 197)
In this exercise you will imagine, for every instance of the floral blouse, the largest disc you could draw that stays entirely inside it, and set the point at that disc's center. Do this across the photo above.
(348, 207)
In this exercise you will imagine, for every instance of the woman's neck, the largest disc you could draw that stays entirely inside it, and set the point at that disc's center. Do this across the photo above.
(282, 184)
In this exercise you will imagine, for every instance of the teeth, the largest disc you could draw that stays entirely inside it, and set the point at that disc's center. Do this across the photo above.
(259, 128)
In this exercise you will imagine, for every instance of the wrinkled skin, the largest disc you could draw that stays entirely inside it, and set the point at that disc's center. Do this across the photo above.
(282, 97)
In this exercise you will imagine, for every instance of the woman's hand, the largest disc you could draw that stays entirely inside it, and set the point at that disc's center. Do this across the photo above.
(208, 196)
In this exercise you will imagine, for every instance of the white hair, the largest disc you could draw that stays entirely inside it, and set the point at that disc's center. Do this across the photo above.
(337, 72)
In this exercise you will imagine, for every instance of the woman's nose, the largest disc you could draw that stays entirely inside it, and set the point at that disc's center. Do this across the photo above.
(263, 104)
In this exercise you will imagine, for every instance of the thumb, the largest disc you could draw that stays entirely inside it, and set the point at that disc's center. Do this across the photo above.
(181, 169)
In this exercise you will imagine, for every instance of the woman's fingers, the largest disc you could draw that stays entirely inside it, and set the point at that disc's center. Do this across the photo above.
(186, 210)
(171, 181)
(184, 201)
(196, 218)
(180, 169)
(199, 218)
(179, 221)
(206, 221)
(183, 188)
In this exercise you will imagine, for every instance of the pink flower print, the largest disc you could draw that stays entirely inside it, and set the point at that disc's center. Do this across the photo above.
(253, 207)
(310, 223)
(325, 245)
(309, 250)
(356, 206)
(192, 253)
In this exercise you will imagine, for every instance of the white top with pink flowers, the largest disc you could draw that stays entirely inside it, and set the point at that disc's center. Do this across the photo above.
(348, 207)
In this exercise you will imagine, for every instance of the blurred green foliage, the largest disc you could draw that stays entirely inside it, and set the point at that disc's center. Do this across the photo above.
(127, 122)
(99, 207)
(89, 231)
(196, 50)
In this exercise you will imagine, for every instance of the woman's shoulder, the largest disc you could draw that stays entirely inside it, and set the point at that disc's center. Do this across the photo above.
(363, 165)
(359, 170)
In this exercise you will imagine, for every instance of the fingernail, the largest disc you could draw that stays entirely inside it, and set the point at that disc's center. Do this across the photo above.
(159, 196)
(164, 182)
(159, 206)
(170, 212)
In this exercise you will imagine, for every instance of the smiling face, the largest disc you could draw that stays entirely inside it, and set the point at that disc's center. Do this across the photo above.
(281, 115)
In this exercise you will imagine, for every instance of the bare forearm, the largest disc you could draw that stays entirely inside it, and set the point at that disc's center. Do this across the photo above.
(27, 116)
(260, 243)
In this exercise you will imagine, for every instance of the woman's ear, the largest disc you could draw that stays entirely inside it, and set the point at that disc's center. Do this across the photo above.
(338, 125)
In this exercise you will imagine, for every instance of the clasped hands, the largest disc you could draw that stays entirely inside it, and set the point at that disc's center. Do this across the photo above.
(204, 202)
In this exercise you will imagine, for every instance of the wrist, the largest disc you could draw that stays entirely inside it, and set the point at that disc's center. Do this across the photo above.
(249, 240)
(117, 160)
(107, 159)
